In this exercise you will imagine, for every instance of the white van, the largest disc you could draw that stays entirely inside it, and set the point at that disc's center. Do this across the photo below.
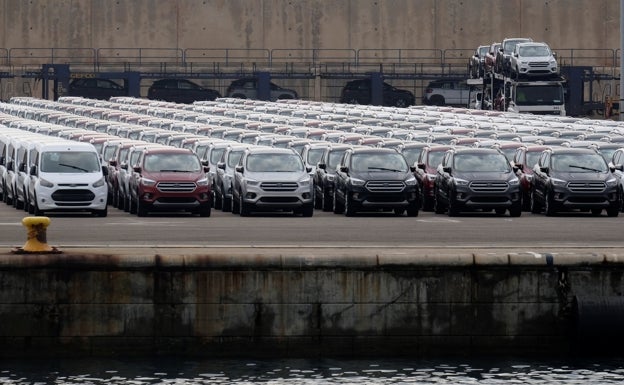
(67, 176)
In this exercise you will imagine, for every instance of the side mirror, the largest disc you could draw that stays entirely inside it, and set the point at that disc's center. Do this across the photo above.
(308, 169)
(544, 170)
(22, 167)
(344, 169)
(204, 163)
(520, 167)
(221, 165)
(1, 160)
(412, 169)
(206, 168)
(619, 167)
(124, 166)
(9, 166)
(137, 169)
(446, 169)
(104, 171)
(240, 169)
(33, 170)
(322, 166)
(421, 166)
(112, 163)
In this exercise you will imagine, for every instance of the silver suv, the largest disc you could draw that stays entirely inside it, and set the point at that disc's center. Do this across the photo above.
(533, 59)
(272, 179)
(447, 92)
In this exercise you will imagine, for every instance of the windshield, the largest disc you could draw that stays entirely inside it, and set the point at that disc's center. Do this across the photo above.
(578, 163)
(314, 155)
(411, 155)
(216, 155)
(69, 161)
(234, 158)
(334, 158)
(378, 162)
(435, 158)
(274, 163)
(534, 51)
(481, 163)
(532, 157)
(539, 95)
(172, 163)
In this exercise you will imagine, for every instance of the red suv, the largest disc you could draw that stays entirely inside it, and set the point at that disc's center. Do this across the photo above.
(523, 162)
(426, 170)
(171, 179)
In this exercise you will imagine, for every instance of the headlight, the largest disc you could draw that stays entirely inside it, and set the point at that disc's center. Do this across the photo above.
(357, 182)
(330, 178)
(514, 182)
(99, 183)
(431, 177)
(147, 182)
(252, 182)
(411, 181)
(558, 182)
(461, 182)
(202, 182)
(611, 182)
(528, 177)
(45, 183)
(305, 181)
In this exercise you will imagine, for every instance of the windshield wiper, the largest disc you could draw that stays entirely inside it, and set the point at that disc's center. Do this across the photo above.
(173, 171)
(585, 168)
(74, 167)
(384, 169)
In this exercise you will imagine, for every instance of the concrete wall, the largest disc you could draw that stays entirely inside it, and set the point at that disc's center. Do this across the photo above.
(306, 24)
(302, 303)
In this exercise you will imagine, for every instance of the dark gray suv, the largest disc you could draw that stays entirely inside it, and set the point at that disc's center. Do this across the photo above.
(476, 179)
(574, 178)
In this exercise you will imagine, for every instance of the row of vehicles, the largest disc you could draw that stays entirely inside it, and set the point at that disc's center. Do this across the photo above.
(297, 156)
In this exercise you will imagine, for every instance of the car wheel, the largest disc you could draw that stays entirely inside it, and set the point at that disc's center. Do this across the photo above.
(307, 211)
(36, 211)
(26, 205)
(500, 211)
(338, 207)
(399, 211)
(121, 202)
(534, 206)
(349, 206)
(141, 210)
(515, 210)
(438, 208)
(400, 103)
(244, 207)
(427, 201)
(218, 202)
(239, 96)
(613, 210)
(327, 201)
(437, 100)
(412, 209)
(101, 213)
(549, 206)
(318, 201)
(453, 210)
(131, 206)
(596, 212)
(235, 205)
(204, 210)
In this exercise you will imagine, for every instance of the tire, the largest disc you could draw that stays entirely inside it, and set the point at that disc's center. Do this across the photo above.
(141, 210)
(307, 211)
(338, 207)
(596, 212)
(399, 211)
(515, 210)
(327, 201)
(349, 206)
(453, 211)
(412, 210)
(121, 202)
(244, 207)
(101, 213)
(500, 211)
(526, 201)
(549, 207)
(36, 211)
(239, 96)
(437, 100)
(218, 202)
(235, 205)
(131, 208)
(401, 103)
(428, 201)
(318, 200)
(204, 210)
(437, 206)
(533, 205)
(613, 210)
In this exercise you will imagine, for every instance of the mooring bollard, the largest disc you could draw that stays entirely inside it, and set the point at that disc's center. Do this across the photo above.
(37, 240)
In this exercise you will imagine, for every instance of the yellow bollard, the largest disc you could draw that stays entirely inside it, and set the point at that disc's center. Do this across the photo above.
(36, 242)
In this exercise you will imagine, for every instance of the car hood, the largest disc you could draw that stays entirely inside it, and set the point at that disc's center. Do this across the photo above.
(174, 176)
(71, 179)
(490, 176)
(535, 58)
(276, 176)
(582, 176)
(381, 175)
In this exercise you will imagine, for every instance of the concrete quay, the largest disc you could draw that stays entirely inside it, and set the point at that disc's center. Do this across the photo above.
(310, 301)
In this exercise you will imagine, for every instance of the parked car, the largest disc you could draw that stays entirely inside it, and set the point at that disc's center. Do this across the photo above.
(489, 64)
(372, 179)
(574, 178)
(476, 63)
(360, 92)
(269, 179)
(325, 174)
(503, 56)
(471, 179)
(247, 88)
(617, 165)
(524, 159)
(180, 91)
(426, 170)
(170, 179)
(225, 174)
(447, 92)
(95, 88)
(532, 60)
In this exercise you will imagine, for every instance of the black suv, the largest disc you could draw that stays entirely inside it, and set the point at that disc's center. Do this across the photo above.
(370, 179)
(574, 178)
(360, 92)
(180, 91)
(476, 178)
(96, 88)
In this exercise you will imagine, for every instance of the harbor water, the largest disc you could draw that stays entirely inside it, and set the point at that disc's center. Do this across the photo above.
(311, 372)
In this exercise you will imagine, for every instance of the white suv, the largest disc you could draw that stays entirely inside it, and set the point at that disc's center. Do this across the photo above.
(272, 179)
(533, 59)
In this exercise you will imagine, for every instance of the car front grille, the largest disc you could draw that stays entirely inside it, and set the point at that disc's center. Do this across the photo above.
(175, 187)
(488, 186)
(586, 186)
(73, 195)
(385, 186)
(541, 64)
(278, 186)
